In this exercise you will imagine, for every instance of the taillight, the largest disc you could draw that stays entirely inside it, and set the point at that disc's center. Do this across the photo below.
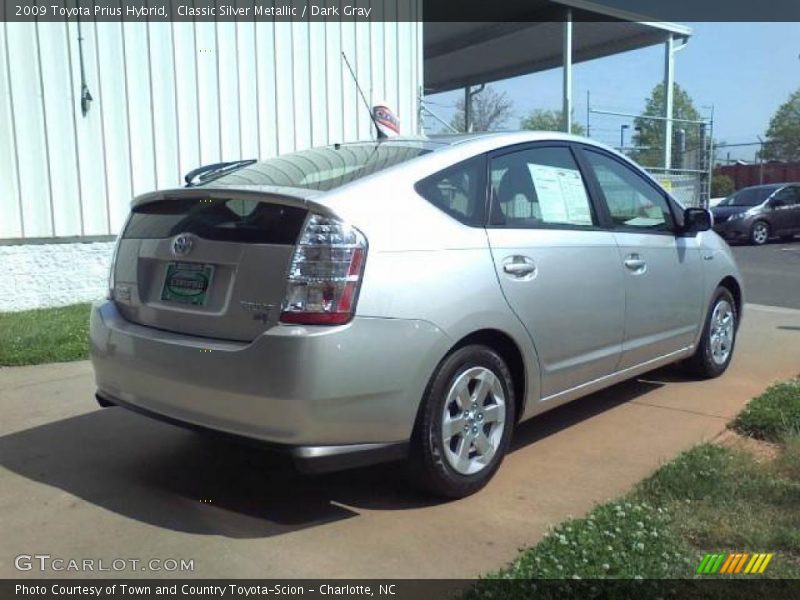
(112, 269)
(325, 274)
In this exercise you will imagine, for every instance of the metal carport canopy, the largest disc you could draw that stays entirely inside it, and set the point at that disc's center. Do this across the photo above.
(526, 36)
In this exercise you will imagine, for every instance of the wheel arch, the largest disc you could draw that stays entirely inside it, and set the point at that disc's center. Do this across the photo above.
(734, 287)
(509, 350)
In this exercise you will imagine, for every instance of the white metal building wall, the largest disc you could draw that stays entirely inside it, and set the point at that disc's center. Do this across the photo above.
(169, 97)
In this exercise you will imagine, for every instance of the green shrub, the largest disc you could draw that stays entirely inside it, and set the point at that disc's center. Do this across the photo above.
(722, 186)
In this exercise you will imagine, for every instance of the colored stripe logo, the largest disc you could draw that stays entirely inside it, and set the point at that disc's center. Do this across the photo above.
(734, 563)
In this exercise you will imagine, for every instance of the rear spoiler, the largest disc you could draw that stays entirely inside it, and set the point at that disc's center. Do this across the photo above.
(285, 196)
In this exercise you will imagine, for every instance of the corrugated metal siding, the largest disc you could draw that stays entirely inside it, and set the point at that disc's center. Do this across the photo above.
(169, 97)
(755, 174)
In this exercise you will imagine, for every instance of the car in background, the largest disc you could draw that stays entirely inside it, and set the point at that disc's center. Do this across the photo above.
(757, 214)
(408, 299)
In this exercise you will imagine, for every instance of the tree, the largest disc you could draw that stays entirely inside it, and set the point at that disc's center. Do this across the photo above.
(722, 186)
(548, 120)
(490, 111)
(649, 137)
(783, 134)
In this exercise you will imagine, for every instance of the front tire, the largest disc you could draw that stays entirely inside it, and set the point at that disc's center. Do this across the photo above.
(715, 350)
(759, 233)
(465, 423)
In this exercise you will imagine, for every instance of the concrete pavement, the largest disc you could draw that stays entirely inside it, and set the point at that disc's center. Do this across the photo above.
(80, 482)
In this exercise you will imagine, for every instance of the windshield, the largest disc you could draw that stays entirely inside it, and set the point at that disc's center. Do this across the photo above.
(325, 168)
(749, 196)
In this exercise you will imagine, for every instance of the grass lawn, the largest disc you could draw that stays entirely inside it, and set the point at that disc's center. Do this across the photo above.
(742, 495)
(772, 414)
(48, 335)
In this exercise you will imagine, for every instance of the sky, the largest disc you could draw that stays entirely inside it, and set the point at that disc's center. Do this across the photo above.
(744, 70)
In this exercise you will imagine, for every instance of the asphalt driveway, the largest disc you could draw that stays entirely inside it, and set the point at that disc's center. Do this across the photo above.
(80, 482)
(771, 273)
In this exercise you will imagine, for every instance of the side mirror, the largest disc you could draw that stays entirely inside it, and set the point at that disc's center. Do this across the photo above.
(697, 219)
(777, 203)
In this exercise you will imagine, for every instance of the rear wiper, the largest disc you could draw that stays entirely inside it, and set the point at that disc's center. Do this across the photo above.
(207, 173)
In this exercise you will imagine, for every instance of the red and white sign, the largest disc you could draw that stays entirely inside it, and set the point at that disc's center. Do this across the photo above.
(385, 120)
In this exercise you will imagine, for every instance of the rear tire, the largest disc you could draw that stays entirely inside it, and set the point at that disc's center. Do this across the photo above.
(759, 233)
(715, 350)
(465, 422)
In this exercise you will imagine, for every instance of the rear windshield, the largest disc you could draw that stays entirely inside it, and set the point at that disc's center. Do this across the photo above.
(325, 168)
(233, 220)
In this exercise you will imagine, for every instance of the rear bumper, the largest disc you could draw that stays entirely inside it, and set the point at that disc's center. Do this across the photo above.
(308, 459)
(324, 395)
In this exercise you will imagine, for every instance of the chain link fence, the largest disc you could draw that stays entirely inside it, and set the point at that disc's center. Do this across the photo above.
(687, 173)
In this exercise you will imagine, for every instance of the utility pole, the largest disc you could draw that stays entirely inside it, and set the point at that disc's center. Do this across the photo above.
(669, 86)
(469, 93)
(566, 101)
(467, 109)
(588, 113)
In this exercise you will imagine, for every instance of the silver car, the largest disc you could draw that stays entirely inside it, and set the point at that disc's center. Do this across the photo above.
(408, 299)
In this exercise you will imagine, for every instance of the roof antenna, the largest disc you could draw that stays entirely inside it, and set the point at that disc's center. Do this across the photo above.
(378, 131)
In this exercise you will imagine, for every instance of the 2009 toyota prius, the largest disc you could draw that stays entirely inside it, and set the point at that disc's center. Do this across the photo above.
(408, 298)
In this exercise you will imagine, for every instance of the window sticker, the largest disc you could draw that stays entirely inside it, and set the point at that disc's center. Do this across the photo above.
(561, 194)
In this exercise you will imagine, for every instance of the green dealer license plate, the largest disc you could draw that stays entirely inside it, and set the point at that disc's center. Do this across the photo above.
(187, 283)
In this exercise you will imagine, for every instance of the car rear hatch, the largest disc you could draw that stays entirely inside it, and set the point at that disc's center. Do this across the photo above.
(208, 262)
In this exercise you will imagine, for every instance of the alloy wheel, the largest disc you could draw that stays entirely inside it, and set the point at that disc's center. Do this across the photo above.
(760, 233)
(722, 331)
(473, 420)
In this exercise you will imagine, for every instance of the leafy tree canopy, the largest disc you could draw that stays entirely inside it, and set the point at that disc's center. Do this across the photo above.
(548, 120)
(649, 136)
(783, 135)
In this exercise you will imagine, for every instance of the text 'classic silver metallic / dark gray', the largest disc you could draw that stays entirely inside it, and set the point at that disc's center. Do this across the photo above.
(409, 299)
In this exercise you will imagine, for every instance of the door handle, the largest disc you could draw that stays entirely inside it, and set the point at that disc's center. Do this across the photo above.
(635, 263)
(518, 269)
(519, 266)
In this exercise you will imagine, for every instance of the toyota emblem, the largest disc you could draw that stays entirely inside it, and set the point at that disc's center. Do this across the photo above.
(182, 245)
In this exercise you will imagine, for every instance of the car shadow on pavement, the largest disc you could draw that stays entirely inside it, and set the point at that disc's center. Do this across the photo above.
(572, 413)
(184, 481)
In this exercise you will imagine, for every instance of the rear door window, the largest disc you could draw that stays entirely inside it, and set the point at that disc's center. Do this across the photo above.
(539, 187)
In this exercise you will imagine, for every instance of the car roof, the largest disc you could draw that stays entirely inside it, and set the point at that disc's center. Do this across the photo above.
(768, 186)
(486, 141)
(446, 150)
(500, 138)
